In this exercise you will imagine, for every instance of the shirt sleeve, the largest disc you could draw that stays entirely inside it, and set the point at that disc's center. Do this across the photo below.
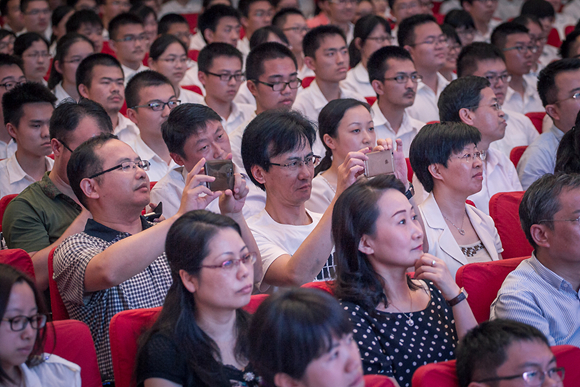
(269, 252)
(23, 228)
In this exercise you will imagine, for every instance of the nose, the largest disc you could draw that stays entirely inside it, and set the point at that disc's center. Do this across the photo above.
(341, 57)
(217, 151)
(352, 358)
(243, 271)
(28, 333)
(45, 131)
(367, 137)
(417, 231)
(165, 112)
(305, 172)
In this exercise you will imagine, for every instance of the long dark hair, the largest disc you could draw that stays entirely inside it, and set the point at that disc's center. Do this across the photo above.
(160, 44)
(186, 247)
(362, 29)
(355, 214)
(8, 277)
(62, 48)
(328, 122)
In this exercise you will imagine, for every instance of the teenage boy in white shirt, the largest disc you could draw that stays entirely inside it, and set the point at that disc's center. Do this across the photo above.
(128, 41)
(255, 14)
(11, 75)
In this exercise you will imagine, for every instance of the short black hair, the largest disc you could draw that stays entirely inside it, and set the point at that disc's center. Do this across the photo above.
(472, 54)
(67, 116)
(539, 8)
(4, 7)
(484, 348)
(450, 33)
(184, 121)
(11, 60)
(262, 34)
(547, 78)
(313, 39)
(58, 14)
(280, 17)
(271, 133)
(13, 101)
(4, 33)
(168, 20)
(501, 32)
(212, 16)
(568, 44)
(205, 4)
(525, 19)
(464, 92)
(244, 6)
(82, 17)
(450, 137)
(262, 53)
(84, 74)
(568, 155)
(216, 50)
(406, 32)
(24, 4)
(377, 65)
(140, 81)
(24, 41)
(121, 20)
(143, 11)
(459, 18)
(160, 44)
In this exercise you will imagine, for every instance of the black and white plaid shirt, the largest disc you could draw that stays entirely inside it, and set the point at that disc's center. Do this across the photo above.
(145, 290)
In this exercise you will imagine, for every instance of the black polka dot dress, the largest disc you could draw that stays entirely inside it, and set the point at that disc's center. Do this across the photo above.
(394, 345)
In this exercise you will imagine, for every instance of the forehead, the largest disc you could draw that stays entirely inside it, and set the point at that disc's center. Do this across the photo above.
(37, 4)
(100, 71)
(37, 45)
(566, 81)
(10, 71)
(487, 94)
(517, 38)
(37, 111)
(130, 29)
(278, 66)
(331, 41)
(160, 92)
(428, 29)
(260, 5)
(395, 65)
(301, 149)
(493, 65)
(226, 63)
(294, 19)
(400, 2)
(114, 150)
(227, 21)
(534, 28)
(177, 27)
(174, 48)
(525, 353)
(89, 26)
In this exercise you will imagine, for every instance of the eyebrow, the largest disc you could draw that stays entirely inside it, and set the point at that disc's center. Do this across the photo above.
(300, 157)
(8, 78)
(398, 212)
(232, 253)
(282, 76)
(112, 79)
(335, 49)
(532, 364)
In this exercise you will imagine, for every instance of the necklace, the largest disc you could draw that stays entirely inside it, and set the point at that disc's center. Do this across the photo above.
(409, 321)
(460, 230)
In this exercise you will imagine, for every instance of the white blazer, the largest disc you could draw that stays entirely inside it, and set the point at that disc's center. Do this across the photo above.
(442, 244)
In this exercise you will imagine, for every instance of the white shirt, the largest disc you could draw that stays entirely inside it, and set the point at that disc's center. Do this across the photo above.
(562, 21)
(530, 103)
(188, 96)
(240, 114)
(508, 9)
(321, 195)
(407, 131)
(311, 101)
(61, 94)
(192, 6)
(130, 73)
(540, 157)
(236, 142)
(305, 72)
(244, 47)
(126, 130)
(197, 42)
(425, 106)
(571, 9)
(519, 132)
(13, 179)
(479, 37)
(158, 167)
(7, 150)
(54, 371)
(549, 54)
(244, 96)
(191, 78)
(357, 80)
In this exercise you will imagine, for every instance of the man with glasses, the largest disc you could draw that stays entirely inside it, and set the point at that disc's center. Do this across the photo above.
(109, 9)
(11, 15)
(394, 79)
(486, 60)
(128, 42)
(559, 89)
(87, 23)
(36, 17)
(11, 75)
(48, 211)
(423, 38)
(292, 22)
(514, 41)
(543, 290)
(402, 9)
(255, 14)
(482, 13)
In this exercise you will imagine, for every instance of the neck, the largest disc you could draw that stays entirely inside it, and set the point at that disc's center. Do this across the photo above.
(393, 114)
(106, 21)
(220, 325)
(451, 203)
(565, 268)
(4, 136)
(114, 116)
(483, 145)
(429, 78)
(156, 143)
(37, 80)
(330, 90)
(299, 55)
(364, 62)
(447, 74)
(481, 25)
(14, 373)
(124, 219)
(287, 213)
(223, 108)
(71, 90)
(518, 84)
(394, 284)
(33, 165)
(133, 65)
(61, 184)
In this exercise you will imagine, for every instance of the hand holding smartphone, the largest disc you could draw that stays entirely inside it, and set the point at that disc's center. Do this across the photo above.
(223, 171)
(379, 163)
(151, 216)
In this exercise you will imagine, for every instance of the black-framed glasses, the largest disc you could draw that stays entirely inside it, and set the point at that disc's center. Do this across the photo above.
(125, 167)
(173, 59)
(158, 106)
(522, 49)
(280, 86)
(19, 323)
(532, 378)
(495, 106)
(403, 78)
(132, 38)
(11, 85)
(304, 29)
(230, 264)
(66, 146)
(575, 96)
(309, 161)
(239, 77)
(494, 78)
(381, 39)
(441, 39)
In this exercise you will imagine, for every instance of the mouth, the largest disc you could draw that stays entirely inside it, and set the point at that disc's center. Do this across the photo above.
(286, 102)
(26, 350)
(143, 186)
(305, 187)
(478, 176)
(418, 248)
(115, 98)
(246, 289)
(178, 74)
(409, 94)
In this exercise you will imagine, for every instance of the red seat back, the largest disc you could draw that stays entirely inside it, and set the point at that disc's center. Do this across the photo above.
(516, 154)
(193, 54)
(307, 81)
(123, 109)
(554, 38)
(194, 88)
(409, 169)
(3, 204)
(537, 119)
(19, 259)
(569, 29)
(322, 285)
(191, 20)
(371, 100)
(504, 210)
(59, 311)
(72, 341)
(482, 281)
(378, 381)
(432, 122)
(107, 49)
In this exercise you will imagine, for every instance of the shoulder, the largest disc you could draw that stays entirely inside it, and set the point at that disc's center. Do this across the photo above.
(55, 371)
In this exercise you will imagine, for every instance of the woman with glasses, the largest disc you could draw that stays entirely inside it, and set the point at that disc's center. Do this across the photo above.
(33, 49)
(454, 43)
(371, 32)
(22, 333)
(71, 49)
(168, 56)
(199, 338)
(455, 232)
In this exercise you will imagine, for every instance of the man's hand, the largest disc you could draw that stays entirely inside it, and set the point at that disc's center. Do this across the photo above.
(196, 196)
(233, 202)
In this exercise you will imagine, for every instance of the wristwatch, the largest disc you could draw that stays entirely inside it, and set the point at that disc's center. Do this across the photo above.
(460, 297)
(410, 192)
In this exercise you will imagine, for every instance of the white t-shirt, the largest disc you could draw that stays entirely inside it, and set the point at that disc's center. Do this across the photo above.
(7, 150)
(321, 195)
(531, 101)
(357, 80)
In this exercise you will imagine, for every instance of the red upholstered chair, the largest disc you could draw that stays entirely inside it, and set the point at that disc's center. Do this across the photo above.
(3, 204)
(569, 29)
(409, 169)
(537, 119)
(482, 281)
(378, 381)
(146, 59)
(123, 110)
(152, 184)
(194, 88)
(72, 341)
(322, 285)
(371, 100)
(59, 311)
(307, 81)
(107, 49)
(255, 302)
(504, 210)
(554, 38)
(516, 154)
(18, 259)
(193, 54)
(191, 20)
(432, 122)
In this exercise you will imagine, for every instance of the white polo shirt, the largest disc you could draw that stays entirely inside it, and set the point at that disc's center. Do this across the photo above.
(519, 132)
(126, 130)
(240, 113)
(130, 73)
(7, 150)
(158, 167)
(425, 106)
(357, 80)
(13, 179)
(531, 101)
(192, 6)
(407, 132)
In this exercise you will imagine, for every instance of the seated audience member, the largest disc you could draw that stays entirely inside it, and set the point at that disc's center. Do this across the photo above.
(568, 155)
(370, 34)
(176, 25)
(402, 9)
(36, 17)
(11, 75)
(394, 80)
(545, 52)
(463, 23)
(100, 79)
(118, 261)
(48, 211)
(482, 14)
(449, 69)
(7, 39)
(292, 22)
(212, 268)
(219, 24)
(12, 16)
(87, 23)
(79, 5)
(542, 290)
(71, 49)
(321, 17)
(27, 110)
(192, 133)
(109, 9)
(127, 39)
(514, 41)
(254, 14)
(32, 48)
(147, 14)
(486, 60)
(326, 53)
(455, 231)
(378, 237)
(423, 38)
(570, 47)
(220, 72)
(180, 7)
(60, 16)
(295, 243)
(363, 8)
(22, 333)
(302, 337)
(150, 98)
(506, 350)
(341, 14)
(558, 86)
(548, 13)
(284, 4)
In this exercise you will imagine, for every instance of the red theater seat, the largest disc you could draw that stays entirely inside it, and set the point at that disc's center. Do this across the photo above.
(516, 154)
(504, 210)
(307, 81)
(537, 119)
(19, 259)
(3, 204)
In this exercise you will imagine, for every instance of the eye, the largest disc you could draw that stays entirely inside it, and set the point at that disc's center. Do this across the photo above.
(400, 78)
(356, 131)
(415, 217)
(372, 129)
(227, 264)
(202, 149)
(403, 221)
(293, 164)
(18, 320)
(126, 166)
(154, 105)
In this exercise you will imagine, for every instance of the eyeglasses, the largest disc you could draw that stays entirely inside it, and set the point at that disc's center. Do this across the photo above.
(403, 7)
(470, 157)
(158, 106)
(37, 12)
(495, 106)
(522, 49)
(441, 39)
(231, 264)
(487, 1)
(181, 35)
(467, 32)
(66, 146)
(575, 96)
(577, 220)
(343, 2)
(403, 78)
(36, 55)
(381, 39)
(173, 59)
(239, 77)
(132, 38)
(532, 378)
(279, 86)
(125, 167)
(494, 78)
(304, 29)
(11, 85)
(309, 161)
(19, 323)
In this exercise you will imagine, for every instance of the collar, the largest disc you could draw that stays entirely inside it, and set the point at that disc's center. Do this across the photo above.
(361, 74)
(15, 171)
(125, 124)
(143, 150)
(441, 84)
(319, 99)
(97, 230)
(557, 132)
(548, 275)
(49, 189)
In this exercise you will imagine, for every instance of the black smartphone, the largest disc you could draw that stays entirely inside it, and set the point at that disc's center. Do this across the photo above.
(151, 216)
(223, 171)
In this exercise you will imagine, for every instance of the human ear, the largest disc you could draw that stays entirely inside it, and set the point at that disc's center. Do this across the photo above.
(378, 87)
(132, 115)
(329, 141)
(11, 129)
(252, 87)
(366, 245)
(189, 281)
(539, 235)
(177, 158)
(553, 112)
(57, 66)
(89, 188)
(358, 43)
(310, 63)
(466, 116)
(83, 91)
(284, 380)
(435, 171)
(258, 173)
